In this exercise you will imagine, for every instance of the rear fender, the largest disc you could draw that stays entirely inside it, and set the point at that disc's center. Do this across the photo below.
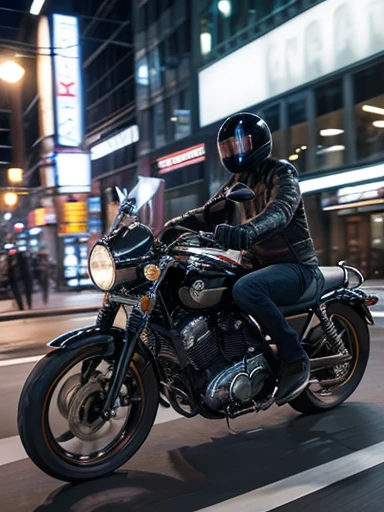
(353, 299)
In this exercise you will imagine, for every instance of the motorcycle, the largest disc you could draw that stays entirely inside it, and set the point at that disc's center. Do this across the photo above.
(89, 405)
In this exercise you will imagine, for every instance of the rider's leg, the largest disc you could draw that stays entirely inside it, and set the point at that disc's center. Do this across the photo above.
(257, 294)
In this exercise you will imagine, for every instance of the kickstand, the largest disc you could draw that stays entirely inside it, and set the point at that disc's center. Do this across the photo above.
(228, 424)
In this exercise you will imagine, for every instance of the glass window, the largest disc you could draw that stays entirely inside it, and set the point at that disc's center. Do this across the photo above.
(298, 131)
(142, 78)
(155, 71)
(369, 112)
(159, 125)
(330, 151)
(271, 116)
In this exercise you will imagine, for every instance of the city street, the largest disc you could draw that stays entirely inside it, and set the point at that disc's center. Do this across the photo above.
(194, 464)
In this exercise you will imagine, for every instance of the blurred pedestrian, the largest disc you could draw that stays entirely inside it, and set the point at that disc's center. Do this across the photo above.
(43, 274)
(20, 277)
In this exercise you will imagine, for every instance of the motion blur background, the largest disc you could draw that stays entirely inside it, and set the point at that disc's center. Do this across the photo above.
(119, 88)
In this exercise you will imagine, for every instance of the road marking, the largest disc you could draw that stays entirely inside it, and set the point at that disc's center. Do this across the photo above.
(20, 360)
(378, 314)
(12, 450)
(302, 484)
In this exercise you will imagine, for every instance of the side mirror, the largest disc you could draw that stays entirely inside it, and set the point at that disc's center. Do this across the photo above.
(239, 193)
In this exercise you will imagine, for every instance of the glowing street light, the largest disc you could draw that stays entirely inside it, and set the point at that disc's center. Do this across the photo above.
(11, 71)
(10, 199)
(15, 175)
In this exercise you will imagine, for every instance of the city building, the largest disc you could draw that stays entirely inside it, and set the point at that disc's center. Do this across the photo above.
(313, 70)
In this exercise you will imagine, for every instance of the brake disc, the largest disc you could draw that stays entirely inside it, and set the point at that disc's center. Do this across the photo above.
(84, 415)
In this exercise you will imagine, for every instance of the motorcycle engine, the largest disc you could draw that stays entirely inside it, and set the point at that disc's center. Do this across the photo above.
(222, 347)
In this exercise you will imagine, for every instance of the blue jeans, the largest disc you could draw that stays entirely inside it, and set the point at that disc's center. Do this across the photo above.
(259, 293)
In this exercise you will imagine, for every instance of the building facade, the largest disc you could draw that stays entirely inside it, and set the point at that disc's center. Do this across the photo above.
(312, 70)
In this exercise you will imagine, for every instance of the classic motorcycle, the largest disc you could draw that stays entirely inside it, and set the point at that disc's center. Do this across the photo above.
(88, 406)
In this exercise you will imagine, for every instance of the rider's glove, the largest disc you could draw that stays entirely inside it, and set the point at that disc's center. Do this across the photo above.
(232, 237)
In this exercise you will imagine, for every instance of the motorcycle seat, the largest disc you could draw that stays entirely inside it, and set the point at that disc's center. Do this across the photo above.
(329, 278)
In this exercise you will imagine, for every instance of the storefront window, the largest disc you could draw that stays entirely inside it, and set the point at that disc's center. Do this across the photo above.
(330, 151)
(159, 125)
(377, 246)
(298, 131)
(369, 111)
(271, 115)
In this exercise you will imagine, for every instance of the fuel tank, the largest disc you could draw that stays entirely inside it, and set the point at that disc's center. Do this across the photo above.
(211, 277)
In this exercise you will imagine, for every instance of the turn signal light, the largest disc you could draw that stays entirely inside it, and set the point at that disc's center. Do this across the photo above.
(152, 272)
(371, 300)
(147, 304)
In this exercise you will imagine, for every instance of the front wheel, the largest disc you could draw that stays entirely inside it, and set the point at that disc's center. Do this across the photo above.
(329, 388)
(59, 418)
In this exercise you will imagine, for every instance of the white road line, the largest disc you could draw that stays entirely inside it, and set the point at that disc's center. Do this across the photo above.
(302, 484)
(20, 360)
(11, 448)
(377, 314)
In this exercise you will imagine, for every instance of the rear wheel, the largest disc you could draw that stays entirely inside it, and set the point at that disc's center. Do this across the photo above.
(329, 388)
(59, 416)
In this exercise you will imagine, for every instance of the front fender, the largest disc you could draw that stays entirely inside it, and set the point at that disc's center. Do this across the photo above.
(115, 336)
(88, 335)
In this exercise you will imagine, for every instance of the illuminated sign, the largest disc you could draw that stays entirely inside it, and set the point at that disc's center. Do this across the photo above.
(73, 172)
(74, 218)
(67, 80)
(328, 37)
(188, 156)
(342, 178)
(348, 197)
(118, 141)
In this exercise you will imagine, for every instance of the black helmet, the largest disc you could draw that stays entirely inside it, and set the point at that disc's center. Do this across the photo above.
(243, 141)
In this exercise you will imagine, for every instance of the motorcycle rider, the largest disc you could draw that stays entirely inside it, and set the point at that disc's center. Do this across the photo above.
(274, 236)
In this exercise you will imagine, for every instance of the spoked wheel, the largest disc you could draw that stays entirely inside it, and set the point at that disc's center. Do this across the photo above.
(330, 387)
(60, 420)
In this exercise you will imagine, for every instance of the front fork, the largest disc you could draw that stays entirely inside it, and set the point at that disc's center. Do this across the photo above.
(136, 322)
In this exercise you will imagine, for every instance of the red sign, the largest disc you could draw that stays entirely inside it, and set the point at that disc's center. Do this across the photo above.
(182, 158)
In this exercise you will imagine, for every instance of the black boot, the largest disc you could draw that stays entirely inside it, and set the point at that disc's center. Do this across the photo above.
(293, 379)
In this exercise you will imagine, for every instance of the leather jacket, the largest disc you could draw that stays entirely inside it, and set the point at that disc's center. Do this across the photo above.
(274, 223)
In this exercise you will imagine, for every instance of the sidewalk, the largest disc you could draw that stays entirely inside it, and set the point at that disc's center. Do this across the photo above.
(58, 303)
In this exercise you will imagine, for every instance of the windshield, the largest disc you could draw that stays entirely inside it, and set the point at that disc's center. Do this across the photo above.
(144, 191)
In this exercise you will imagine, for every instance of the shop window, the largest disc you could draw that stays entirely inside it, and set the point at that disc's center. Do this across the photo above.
(330, 150)
(159, 125)
(271, 116)
(369, 112)
(298, 131)
(376, 260)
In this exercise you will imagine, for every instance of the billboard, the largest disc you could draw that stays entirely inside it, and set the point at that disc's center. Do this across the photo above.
(328, 37)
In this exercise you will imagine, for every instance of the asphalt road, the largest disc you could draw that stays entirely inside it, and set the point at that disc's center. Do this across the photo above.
(276, 456)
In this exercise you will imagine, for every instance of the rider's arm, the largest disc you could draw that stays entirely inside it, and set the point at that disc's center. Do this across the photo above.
(278, 213)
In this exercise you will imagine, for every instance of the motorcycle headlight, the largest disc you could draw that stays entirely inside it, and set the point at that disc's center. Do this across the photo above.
(102, 268)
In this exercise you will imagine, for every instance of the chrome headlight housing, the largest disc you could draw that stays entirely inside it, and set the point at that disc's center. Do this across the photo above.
(101, 266)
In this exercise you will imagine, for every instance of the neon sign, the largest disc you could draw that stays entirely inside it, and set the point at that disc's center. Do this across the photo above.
(67, 81)
(188, 156)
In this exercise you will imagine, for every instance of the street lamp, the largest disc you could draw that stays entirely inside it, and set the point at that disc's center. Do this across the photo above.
(10, 199)
(15, 175)
(11, 71)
